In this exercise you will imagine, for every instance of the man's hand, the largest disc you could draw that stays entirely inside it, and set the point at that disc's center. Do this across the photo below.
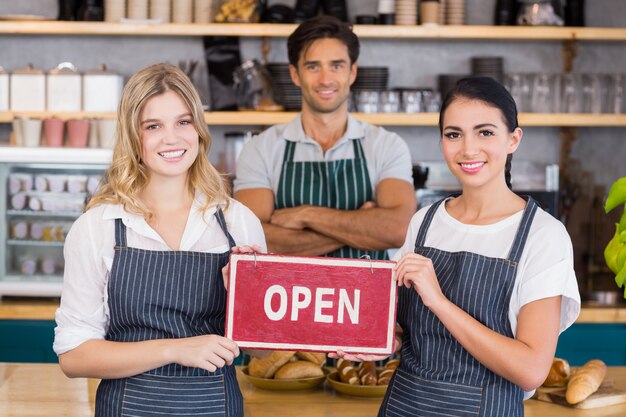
(290, 218)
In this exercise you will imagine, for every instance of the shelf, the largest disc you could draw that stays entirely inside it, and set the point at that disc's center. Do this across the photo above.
(284, 30)
(31, 286)
(41, 243)
(255, 118)
(31, 213)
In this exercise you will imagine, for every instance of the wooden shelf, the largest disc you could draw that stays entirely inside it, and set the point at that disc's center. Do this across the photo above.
(252, 118)
(283, 30)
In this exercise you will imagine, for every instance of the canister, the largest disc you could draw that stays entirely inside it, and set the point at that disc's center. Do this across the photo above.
(28, 89)
(4, 90)
(102, 90)
(64, 88)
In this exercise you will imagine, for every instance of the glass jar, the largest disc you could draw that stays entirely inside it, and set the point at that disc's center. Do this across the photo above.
(538, 13)
(254, 87)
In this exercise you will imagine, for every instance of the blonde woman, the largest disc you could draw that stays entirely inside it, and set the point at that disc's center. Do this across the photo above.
(143, 300)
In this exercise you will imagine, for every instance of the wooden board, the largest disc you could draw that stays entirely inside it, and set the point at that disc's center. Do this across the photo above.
(605, 396)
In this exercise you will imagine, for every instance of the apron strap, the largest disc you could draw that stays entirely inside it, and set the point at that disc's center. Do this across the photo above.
(359, 153)
(290, 150)
(523, 229)
(421, 235)
(120, 233)
(219, 214)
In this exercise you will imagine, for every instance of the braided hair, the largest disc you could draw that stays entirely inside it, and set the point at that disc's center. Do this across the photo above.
(491, 92)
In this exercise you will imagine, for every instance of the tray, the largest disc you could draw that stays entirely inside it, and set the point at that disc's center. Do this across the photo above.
(285, 384)
(356, 390)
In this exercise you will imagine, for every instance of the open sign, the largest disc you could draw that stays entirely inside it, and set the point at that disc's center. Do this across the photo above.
(311, 303)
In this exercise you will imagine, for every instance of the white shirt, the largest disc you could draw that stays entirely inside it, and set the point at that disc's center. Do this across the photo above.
(545, 269)
(88, 251)
(260, 162)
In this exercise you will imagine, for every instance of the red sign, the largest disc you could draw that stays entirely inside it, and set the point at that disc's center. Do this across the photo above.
(311, 303)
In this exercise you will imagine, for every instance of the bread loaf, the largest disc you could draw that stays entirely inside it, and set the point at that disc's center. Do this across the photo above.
(559, 373)
(385, 375)
(585, 381)
(367, 373)
(267, 367)
(347, 373)
(316, 357)
(298, 369)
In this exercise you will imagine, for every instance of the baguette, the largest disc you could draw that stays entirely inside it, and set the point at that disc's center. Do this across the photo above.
(367, 373)
(347, 373)
(267, 367)
(298, 369)
(585, 381)
(559, 373)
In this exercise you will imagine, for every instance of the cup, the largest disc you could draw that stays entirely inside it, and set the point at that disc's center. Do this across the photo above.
(53, 131)
(31, 132)
(94, 140)
(17, 131)
(106, 132)
(412, 101)
(429, 12)
(78, 132)
(571, 100)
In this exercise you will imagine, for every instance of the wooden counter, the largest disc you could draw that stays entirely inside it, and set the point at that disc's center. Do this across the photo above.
(43, 309)
(41, 390)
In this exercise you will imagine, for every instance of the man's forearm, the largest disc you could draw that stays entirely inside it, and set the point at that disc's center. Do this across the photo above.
(371, 229)
(298, 242)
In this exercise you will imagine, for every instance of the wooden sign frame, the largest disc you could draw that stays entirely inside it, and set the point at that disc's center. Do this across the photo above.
(309, 290)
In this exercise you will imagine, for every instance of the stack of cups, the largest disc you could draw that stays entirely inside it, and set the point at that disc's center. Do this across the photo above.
(429, 12)
(455, 12)
(114, 10)
(182, 11)
(203, 11)
(386, 12)
(406, 12)
(138, 9)
(160, 10)
(442, 11)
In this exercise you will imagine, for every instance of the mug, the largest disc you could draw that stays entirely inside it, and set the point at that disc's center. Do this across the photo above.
(31, 132)
(78, 132)
(53, 131)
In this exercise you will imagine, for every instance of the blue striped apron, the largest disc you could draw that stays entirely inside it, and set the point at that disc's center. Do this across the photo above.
(437, 376)
(166, 295)
(343, 184)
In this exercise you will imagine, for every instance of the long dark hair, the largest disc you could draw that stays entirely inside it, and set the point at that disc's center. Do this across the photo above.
(321, 27)
(491, 92)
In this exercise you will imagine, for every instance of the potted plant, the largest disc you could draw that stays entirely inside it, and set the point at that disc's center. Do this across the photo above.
(615, 251)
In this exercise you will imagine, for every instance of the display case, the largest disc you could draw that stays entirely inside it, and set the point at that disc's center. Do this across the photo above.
(45, 190)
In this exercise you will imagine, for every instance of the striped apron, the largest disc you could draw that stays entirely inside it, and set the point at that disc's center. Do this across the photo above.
(167, 295)
(437, 376)
(342, 184)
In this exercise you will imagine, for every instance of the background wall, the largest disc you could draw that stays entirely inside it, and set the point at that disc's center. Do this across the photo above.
(601, 151)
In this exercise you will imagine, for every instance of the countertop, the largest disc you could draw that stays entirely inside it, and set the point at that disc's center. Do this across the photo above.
(44, 308)
(34, 390)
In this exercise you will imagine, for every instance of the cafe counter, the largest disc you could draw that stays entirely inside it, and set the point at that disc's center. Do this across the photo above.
(38, 390)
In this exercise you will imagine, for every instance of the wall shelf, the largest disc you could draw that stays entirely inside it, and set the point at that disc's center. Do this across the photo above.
(470, 32)
(255, 118)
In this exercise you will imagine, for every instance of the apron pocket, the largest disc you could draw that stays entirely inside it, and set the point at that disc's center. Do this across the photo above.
(414, 396)
(149, 395)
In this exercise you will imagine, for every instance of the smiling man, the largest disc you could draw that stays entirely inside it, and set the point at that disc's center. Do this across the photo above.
(325, 183)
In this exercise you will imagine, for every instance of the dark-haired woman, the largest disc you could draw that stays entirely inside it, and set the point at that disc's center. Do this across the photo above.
(487, 279)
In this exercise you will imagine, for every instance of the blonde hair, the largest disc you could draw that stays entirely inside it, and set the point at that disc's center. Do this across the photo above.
(128, 175)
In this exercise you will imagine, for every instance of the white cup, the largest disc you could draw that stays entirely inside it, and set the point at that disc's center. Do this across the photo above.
(31, 132)
(17, 131)
(106, 133)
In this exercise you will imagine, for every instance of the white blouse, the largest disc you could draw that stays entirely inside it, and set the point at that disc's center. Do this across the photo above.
(84, 313)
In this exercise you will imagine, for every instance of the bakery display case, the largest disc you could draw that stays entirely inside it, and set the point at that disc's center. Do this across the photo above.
(45, 190)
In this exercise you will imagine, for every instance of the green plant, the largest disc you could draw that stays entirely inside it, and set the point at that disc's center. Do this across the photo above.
(615, 251)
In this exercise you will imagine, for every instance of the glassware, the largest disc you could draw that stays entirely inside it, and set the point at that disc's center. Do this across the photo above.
(615, 102)
(367, 101)
(571, 101)
(412, 101)
(592, 93)
(254, 87)
(540, 101)
(538, 13)
(389, 101)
